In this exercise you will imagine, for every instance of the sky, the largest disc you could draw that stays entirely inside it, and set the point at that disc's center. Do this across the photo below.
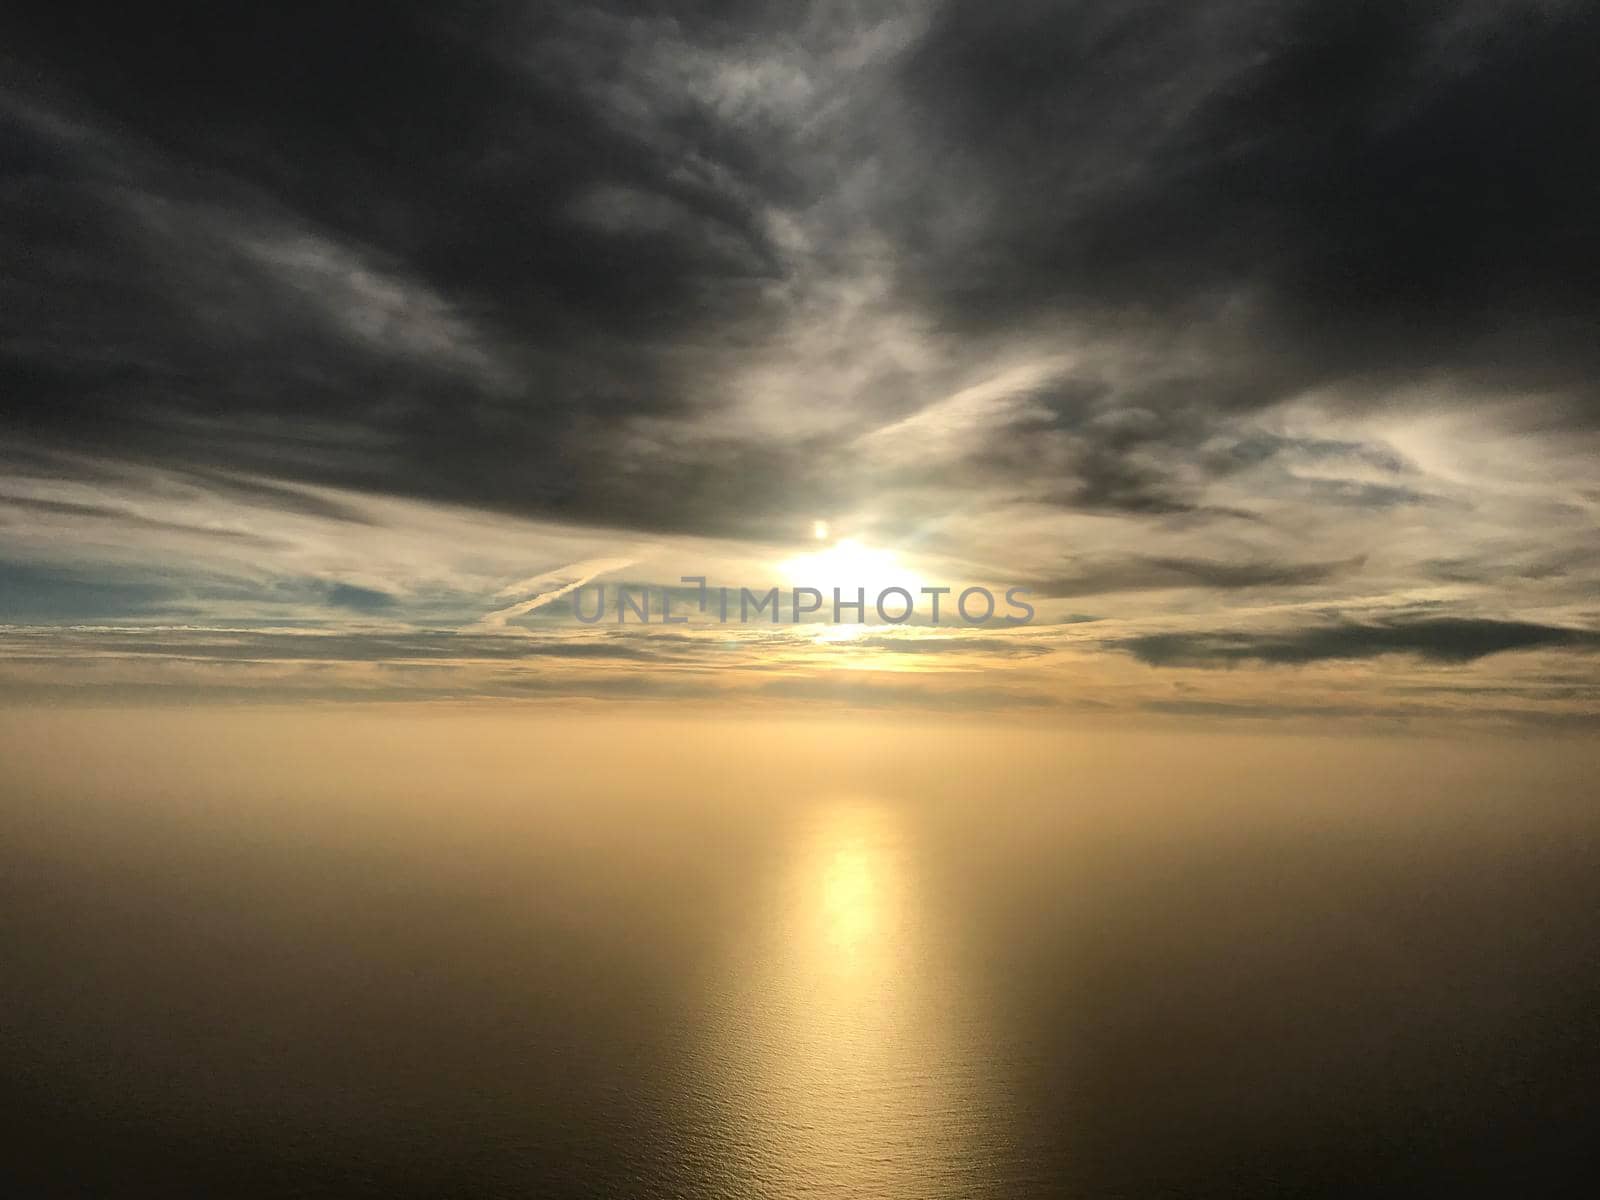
(340, 342)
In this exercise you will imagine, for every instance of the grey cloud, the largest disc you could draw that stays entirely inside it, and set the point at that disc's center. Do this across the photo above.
(1157, 573)
(1246, 575)
(347, 595)
(1436, 639)
(1385, 716)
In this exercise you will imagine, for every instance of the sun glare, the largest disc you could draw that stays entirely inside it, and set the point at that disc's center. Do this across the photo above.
(849, 566)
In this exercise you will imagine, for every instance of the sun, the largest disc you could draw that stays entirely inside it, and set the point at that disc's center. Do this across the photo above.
(849, 566)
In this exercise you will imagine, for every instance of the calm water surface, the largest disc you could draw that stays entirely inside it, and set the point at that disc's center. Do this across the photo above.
(904, 977)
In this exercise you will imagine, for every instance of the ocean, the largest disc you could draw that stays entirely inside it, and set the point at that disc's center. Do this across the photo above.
(468, 955)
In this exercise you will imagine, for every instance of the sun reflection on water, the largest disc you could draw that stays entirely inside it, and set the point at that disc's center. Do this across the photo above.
(849, 914)
(844, 1019)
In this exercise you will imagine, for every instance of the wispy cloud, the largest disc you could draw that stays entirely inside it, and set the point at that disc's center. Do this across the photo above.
(555, 584)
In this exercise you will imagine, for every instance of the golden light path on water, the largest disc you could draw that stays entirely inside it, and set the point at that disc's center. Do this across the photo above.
(837, 1016)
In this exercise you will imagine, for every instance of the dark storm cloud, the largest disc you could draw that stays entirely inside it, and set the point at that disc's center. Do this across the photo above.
(1438, 639)
(1374, 188)
(456, 137)
(437, 250)
(517, 255)
(1243, 202)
